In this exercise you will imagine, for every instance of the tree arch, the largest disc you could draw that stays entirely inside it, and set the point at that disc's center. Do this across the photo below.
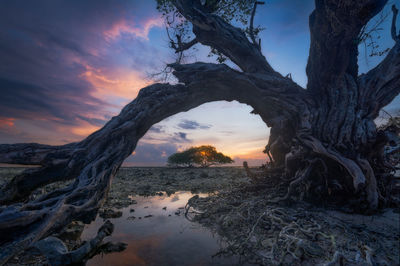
(330, 122)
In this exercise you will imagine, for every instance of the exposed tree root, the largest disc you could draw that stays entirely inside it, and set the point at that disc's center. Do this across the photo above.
(255, 177)
(338, 259)
(301, 176)
(268, 234)
(57, 253)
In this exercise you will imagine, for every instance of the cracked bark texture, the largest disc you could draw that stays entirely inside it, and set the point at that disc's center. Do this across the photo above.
(329, 122)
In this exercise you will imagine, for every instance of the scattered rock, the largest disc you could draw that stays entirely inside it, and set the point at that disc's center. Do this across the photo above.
(148, 216)
(110, 247)
(165, 208)
(109, 213)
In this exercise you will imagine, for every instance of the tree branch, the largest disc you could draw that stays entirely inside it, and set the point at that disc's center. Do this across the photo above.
(32, 153)
(382, 83)
(395, 37)
(213, 31)
(180, 46)
(335, 27)
(251, 28)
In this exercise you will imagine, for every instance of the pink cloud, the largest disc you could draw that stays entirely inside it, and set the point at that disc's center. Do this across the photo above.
(122, 82)
(6, 122)
(124, 27)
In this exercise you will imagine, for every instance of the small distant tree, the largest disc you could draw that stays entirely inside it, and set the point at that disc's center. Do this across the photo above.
(203, 156)
(181, 159)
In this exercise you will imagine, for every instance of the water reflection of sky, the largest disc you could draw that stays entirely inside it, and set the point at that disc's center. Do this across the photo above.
(163, 239)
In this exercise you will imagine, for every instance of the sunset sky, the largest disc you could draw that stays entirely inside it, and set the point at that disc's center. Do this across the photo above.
(67, 67)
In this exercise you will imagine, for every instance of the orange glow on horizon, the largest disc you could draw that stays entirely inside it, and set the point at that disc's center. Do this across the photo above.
(248, 153)
(84, 130)
(254, 154)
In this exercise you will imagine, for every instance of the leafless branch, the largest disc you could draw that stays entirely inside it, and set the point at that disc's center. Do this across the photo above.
(395, 37)
(180, 46)
(251, 28)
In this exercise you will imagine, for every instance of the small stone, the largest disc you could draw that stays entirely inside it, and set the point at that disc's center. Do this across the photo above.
(148, 216)
(165, 208)
(132, 210)
(109, 213)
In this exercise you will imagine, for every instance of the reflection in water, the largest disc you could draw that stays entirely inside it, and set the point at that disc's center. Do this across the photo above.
(165, 238)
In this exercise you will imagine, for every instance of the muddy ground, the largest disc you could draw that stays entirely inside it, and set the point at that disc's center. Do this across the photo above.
(262, 233)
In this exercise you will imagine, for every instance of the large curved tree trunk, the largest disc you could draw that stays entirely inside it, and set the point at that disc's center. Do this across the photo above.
(322, 137)
(95, 160)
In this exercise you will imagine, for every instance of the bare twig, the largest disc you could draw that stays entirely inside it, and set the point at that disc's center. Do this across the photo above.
(337, 259)
(254, 227)
(251, 28)
(180, 46)
(395, 37)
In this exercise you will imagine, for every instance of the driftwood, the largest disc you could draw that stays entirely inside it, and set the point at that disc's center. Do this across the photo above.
(332, 120)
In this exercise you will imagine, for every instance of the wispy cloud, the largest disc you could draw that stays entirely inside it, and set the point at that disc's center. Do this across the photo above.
(157, 129)
(124, 82)
(150, 154)
(191, 124)
(62, 73)
(124, 27)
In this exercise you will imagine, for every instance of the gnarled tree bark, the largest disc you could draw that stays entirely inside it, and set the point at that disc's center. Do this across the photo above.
(330, 123)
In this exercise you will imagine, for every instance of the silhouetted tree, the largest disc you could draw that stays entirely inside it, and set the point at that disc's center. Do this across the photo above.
(204, 156)
(184, 158)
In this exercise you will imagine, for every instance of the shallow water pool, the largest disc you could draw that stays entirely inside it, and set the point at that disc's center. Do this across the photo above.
(164, 238)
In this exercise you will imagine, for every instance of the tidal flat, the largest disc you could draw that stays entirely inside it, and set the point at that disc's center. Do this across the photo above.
(216, 216)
